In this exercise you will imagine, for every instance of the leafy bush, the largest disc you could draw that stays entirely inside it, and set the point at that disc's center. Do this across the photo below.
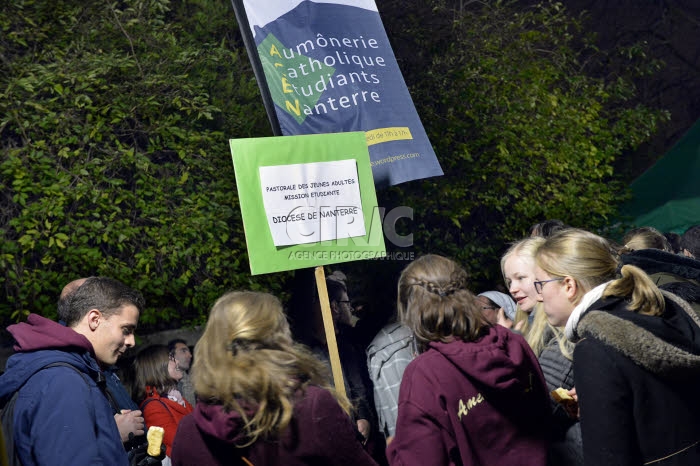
(115, 158)
(527, 117)
(115, 120)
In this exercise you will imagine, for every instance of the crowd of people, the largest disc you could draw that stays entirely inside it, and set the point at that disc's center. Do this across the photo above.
(588, 353)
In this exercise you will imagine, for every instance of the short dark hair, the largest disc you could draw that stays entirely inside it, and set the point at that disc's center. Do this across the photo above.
(335, 290)
(173, 342)
(103, 293)
(547, 228)
(690, 240)
(674, 240)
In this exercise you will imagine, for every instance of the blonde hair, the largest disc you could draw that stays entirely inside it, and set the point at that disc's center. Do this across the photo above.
(590, 261)
(645, 238)
(434, 302)
(526, 248)
(537, 331)
(247, 361)
(524, 317)
(566, 347)
(151, 376)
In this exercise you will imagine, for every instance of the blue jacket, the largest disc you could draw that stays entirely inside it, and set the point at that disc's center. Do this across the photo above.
(119, 394)
(61, 417)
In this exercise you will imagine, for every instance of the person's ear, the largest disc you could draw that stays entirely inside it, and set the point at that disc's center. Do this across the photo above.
(94, 317)
(570, 287)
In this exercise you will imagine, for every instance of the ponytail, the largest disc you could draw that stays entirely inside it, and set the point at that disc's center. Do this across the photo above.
(635, 285)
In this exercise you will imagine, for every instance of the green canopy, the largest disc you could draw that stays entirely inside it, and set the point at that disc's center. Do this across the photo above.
(667, 195)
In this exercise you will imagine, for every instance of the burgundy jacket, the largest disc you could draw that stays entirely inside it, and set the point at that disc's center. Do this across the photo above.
(477, 403)
(320, 433)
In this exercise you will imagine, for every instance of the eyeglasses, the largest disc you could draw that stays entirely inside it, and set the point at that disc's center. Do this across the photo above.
(540, 284)
(346, 301)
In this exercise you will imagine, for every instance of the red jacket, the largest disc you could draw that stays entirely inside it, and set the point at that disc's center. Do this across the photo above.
(161, 411)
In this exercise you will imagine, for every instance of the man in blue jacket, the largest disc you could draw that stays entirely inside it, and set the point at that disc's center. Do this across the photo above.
(62, 416)
(126, 412)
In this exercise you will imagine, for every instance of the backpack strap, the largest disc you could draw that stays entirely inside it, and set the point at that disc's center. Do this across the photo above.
(148, 400)
(8, 455)
(8, 411)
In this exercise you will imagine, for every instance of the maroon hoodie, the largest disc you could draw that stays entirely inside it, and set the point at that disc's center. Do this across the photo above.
(320, 433)
(41, 333)
(477, 403)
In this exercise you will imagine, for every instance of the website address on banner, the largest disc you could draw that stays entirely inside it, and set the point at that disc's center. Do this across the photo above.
(394, 158)
(351, 255)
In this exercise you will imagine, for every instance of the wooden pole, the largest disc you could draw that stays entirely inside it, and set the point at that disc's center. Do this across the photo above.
(330, 331)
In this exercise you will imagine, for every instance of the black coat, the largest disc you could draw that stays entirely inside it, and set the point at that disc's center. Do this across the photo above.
(638, 379)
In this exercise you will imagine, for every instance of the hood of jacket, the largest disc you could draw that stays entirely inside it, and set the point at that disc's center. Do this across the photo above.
(654, 261)
(667, 345)
(42, 333)
(39, 342)
(500, 362)
(226, 426)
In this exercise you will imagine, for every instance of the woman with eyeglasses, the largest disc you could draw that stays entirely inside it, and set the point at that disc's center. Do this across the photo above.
(156, 378)
(497, 307)
(637, 354)
(474, 395)
(553, 351)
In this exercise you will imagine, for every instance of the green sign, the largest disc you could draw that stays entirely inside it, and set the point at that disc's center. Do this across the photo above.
(307, 200)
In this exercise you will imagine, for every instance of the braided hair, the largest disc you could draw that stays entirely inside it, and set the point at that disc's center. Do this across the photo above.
(434, 302)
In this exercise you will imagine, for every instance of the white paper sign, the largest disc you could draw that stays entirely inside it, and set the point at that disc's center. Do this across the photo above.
(312, 202)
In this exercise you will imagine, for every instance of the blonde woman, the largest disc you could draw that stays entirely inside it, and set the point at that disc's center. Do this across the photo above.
(553, 351)
(645, 238)
(262, 399)
(637, 356)
(517, 266)
(475, 394)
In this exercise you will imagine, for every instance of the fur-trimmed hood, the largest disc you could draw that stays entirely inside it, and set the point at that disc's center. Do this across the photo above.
(654, 261)
(668, 346)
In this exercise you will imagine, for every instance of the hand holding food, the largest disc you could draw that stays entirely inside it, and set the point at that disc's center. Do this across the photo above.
(568, 400)
(155, 439)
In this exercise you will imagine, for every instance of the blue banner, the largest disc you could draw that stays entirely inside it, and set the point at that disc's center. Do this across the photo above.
(328, 67)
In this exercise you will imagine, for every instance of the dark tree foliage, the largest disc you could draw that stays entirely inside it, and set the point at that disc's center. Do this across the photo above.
(115, 120)
(524, 124)
(114, 156)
